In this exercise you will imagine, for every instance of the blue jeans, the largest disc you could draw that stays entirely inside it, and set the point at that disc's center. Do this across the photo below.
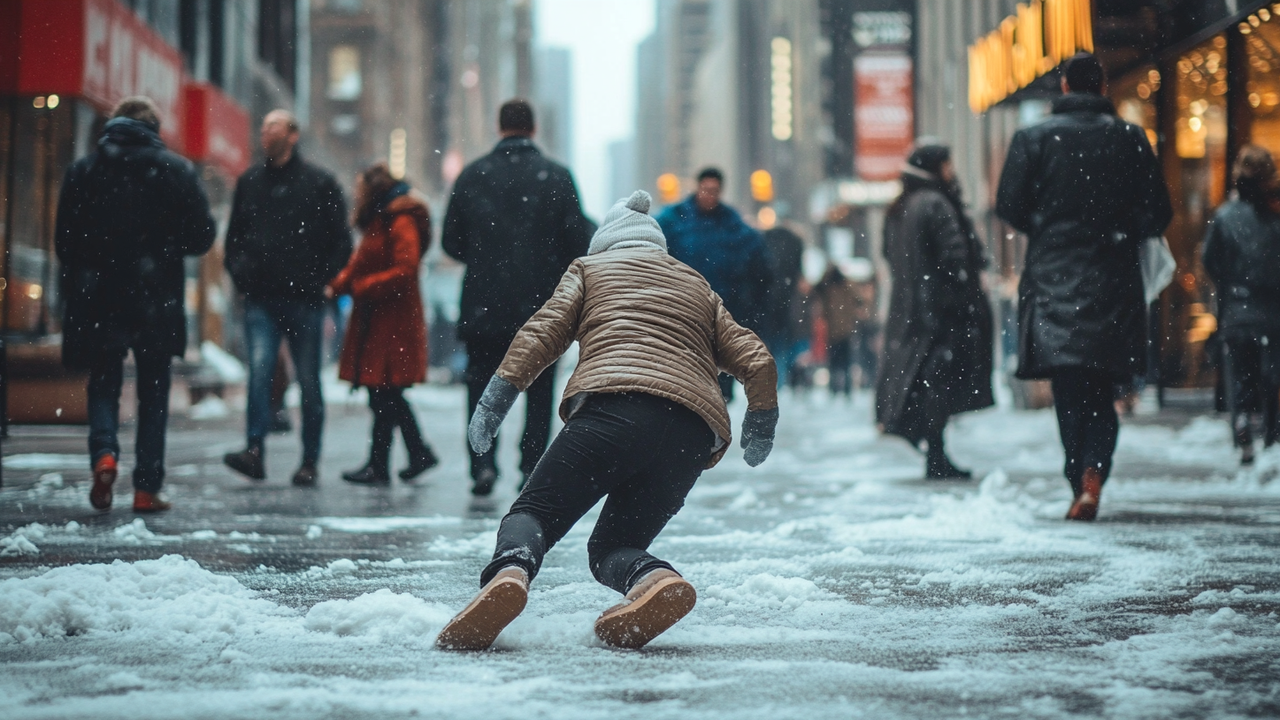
(106, 377)
(265, 323)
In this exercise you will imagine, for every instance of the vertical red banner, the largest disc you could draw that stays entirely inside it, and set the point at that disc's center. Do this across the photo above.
(884, 121)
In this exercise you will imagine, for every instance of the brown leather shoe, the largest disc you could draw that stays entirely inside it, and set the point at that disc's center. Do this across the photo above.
(306, 476)
(145, 502)
(479, 624)
(1085, 506)
(104, 476)
(247, 462)
(657, 602)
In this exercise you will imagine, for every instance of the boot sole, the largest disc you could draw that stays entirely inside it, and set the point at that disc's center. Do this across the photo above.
(634, 625)
(1084, 511)
(480, 623)
(100, 496)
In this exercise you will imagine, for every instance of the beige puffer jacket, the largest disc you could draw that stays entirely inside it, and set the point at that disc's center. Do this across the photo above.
(645, 323)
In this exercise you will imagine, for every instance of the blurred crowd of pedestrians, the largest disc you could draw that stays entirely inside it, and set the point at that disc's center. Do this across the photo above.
(1082, 185)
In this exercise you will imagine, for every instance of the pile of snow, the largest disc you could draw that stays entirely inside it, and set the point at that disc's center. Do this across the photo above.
(45, 461)
(23, 540)
(383, 615)
(156, 600)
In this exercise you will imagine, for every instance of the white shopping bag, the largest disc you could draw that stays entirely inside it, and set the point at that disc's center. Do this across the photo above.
(1157, 267)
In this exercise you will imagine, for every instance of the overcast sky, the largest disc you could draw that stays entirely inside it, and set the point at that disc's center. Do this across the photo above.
(602, 35)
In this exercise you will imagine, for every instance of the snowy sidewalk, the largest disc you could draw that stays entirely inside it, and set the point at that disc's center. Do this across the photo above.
(832, 582)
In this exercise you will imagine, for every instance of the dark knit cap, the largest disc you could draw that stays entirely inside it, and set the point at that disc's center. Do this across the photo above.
(928, 154)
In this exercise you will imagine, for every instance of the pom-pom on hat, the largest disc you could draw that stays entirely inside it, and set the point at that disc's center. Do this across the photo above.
(627, 224)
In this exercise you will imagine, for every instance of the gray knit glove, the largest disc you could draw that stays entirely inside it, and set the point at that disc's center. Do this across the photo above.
(757, 435)
(494, 405)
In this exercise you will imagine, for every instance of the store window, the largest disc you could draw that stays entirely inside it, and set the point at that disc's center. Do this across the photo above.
(344, 73)
(41, 149)
(1134, 96)
(1197, 180)
(1262, 87)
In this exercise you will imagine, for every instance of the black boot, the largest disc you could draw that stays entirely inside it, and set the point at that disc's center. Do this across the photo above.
(377, 470)
(247, 462)
(938, 466)
(421, 459)
(1244, 438)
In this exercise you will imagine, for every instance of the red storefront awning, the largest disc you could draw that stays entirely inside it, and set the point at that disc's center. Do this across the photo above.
(98, 50)
(216, 129)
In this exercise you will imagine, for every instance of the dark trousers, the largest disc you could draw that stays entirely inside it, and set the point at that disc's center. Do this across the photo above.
(106, 377)
(483, 359)
(391, 411)
(266, 322)
(840, 366)
(642, 452)
(1087, 421)
(1250, 387)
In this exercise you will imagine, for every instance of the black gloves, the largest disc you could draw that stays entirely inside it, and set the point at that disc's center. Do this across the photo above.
(494, 405)
(757, 435)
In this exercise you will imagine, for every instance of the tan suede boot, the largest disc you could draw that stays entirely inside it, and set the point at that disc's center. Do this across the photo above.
(1085, 507)
(478, 625)
(657, 602)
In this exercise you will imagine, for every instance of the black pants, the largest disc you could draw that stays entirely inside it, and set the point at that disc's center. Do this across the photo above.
(1087, 421)
(391, 411)
(106, 377)
(483, 359)
(1251, 387)
(643, 452)
(840, 366)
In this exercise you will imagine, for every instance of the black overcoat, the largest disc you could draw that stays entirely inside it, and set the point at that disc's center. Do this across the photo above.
(127, 216)
(1087, 190)
(1241, 254)
(938, 339)
(515, 220)
(288, 234)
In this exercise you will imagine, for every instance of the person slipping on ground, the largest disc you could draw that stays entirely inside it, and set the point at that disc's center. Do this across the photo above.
(1241, 254)
(386, 343)
(643, 418)
(286, 240)
(712, 238)
(515, 221)
(938, 339)
(1086, 188)
(128, 215)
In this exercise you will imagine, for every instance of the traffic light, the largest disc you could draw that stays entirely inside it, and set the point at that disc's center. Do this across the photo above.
(668, 187)
(762, 186)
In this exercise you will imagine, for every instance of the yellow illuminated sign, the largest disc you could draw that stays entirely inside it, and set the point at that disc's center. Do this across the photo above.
(1026, 45)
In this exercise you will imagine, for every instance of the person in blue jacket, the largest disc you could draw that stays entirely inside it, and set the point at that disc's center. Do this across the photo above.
(713, 239)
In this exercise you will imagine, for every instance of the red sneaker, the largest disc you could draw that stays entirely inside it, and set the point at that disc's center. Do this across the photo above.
(1085, 506)
(145, 502)
(104, 475)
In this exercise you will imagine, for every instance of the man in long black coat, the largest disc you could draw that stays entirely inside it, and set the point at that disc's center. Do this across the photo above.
(515, 220)
(128, 215)
(938, 338)
(1087, 190)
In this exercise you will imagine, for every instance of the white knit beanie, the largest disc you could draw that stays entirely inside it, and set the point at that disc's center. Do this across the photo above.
(627, 224)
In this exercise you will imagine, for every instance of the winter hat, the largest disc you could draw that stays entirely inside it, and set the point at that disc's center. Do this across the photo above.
(627, 224)
(928, 154)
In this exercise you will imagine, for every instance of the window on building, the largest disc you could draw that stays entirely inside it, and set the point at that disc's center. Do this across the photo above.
(1135, 97)
(1262, 87)
(344, 73)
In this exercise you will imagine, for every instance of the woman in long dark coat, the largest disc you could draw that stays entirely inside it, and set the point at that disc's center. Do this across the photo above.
(938, 338)
(385, 349)
(1242, 257)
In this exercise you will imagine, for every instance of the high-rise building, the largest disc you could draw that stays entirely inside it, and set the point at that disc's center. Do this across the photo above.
(553, 102)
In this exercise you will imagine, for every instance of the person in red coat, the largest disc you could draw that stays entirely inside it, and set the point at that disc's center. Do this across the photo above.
(385, 349)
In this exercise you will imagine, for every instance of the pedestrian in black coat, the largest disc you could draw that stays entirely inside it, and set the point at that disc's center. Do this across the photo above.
(515, 220)
(785, 251)
(938, 337)
(1242, 256)
(287, 238)
(127, 216)
(1087, 190)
